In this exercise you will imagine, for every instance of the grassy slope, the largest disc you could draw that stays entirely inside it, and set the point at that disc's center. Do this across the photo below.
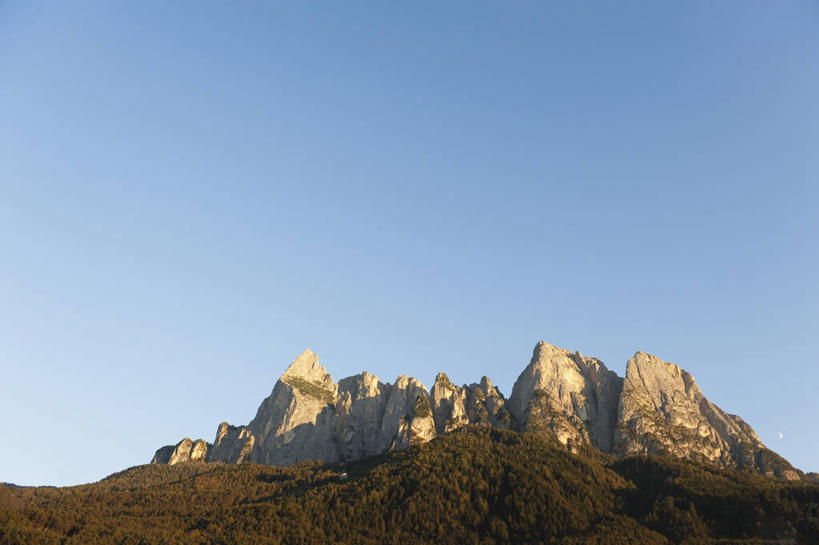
(475, 486)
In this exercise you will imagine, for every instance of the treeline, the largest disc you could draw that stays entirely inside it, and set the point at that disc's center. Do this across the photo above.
(476, 486)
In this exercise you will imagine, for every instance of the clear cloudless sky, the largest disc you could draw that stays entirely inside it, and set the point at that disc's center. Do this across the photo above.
(192, 193)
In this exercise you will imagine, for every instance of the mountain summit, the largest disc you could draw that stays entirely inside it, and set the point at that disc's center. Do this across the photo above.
(657, 409)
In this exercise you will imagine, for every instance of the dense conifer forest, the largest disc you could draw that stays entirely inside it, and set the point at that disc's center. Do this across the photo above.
(477, 485)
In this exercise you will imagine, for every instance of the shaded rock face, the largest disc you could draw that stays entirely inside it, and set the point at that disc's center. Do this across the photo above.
(359, 407)
(663, 411)
(163, 454)
(232, 444)
(494, 403)
(448, 406)
(566, 394)
(658, 408)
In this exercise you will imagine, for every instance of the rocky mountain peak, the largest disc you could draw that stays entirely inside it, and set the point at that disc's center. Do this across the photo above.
(566, 394)
(442, 379)
(306, 366)
(545, 352)
(489, 388)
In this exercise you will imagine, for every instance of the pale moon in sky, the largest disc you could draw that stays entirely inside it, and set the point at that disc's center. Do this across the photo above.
(780, 434)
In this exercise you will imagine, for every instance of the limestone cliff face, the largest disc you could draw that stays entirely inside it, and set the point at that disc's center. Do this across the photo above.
(566, 394)
(663, 411)
(308, 416)
(658, 408)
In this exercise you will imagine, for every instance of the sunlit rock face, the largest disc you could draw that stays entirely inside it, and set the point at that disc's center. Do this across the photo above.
(663, 411)
(184, 451)
(657, 409)
(297, 421)
(564, 393)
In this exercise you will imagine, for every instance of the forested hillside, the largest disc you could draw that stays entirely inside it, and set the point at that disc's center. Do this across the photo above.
(476, 485)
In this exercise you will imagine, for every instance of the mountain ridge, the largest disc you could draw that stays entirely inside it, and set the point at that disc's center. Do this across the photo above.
(657, 408)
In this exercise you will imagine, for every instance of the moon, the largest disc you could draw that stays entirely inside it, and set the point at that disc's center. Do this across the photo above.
(780, 435)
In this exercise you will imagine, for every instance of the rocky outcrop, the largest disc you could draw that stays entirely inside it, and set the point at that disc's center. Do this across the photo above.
(163, 454)
(487, 396)
(232, 444)
(663, 411)
(456, 406)
(657, 409)
(184, 451)
(571, 396)
(448, 409)
(407, 418)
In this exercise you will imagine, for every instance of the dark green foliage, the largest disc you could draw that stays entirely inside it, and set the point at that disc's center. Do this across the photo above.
(444, 381)
(422, 408)
(311, 389)
(767, 461)
(478, 485)
(686, 499)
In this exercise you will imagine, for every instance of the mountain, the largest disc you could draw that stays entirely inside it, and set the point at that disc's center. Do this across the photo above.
(656, 409)
(478, 484)
(663, 411)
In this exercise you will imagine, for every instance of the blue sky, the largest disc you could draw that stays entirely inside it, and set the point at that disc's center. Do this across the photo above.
(193, 193)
